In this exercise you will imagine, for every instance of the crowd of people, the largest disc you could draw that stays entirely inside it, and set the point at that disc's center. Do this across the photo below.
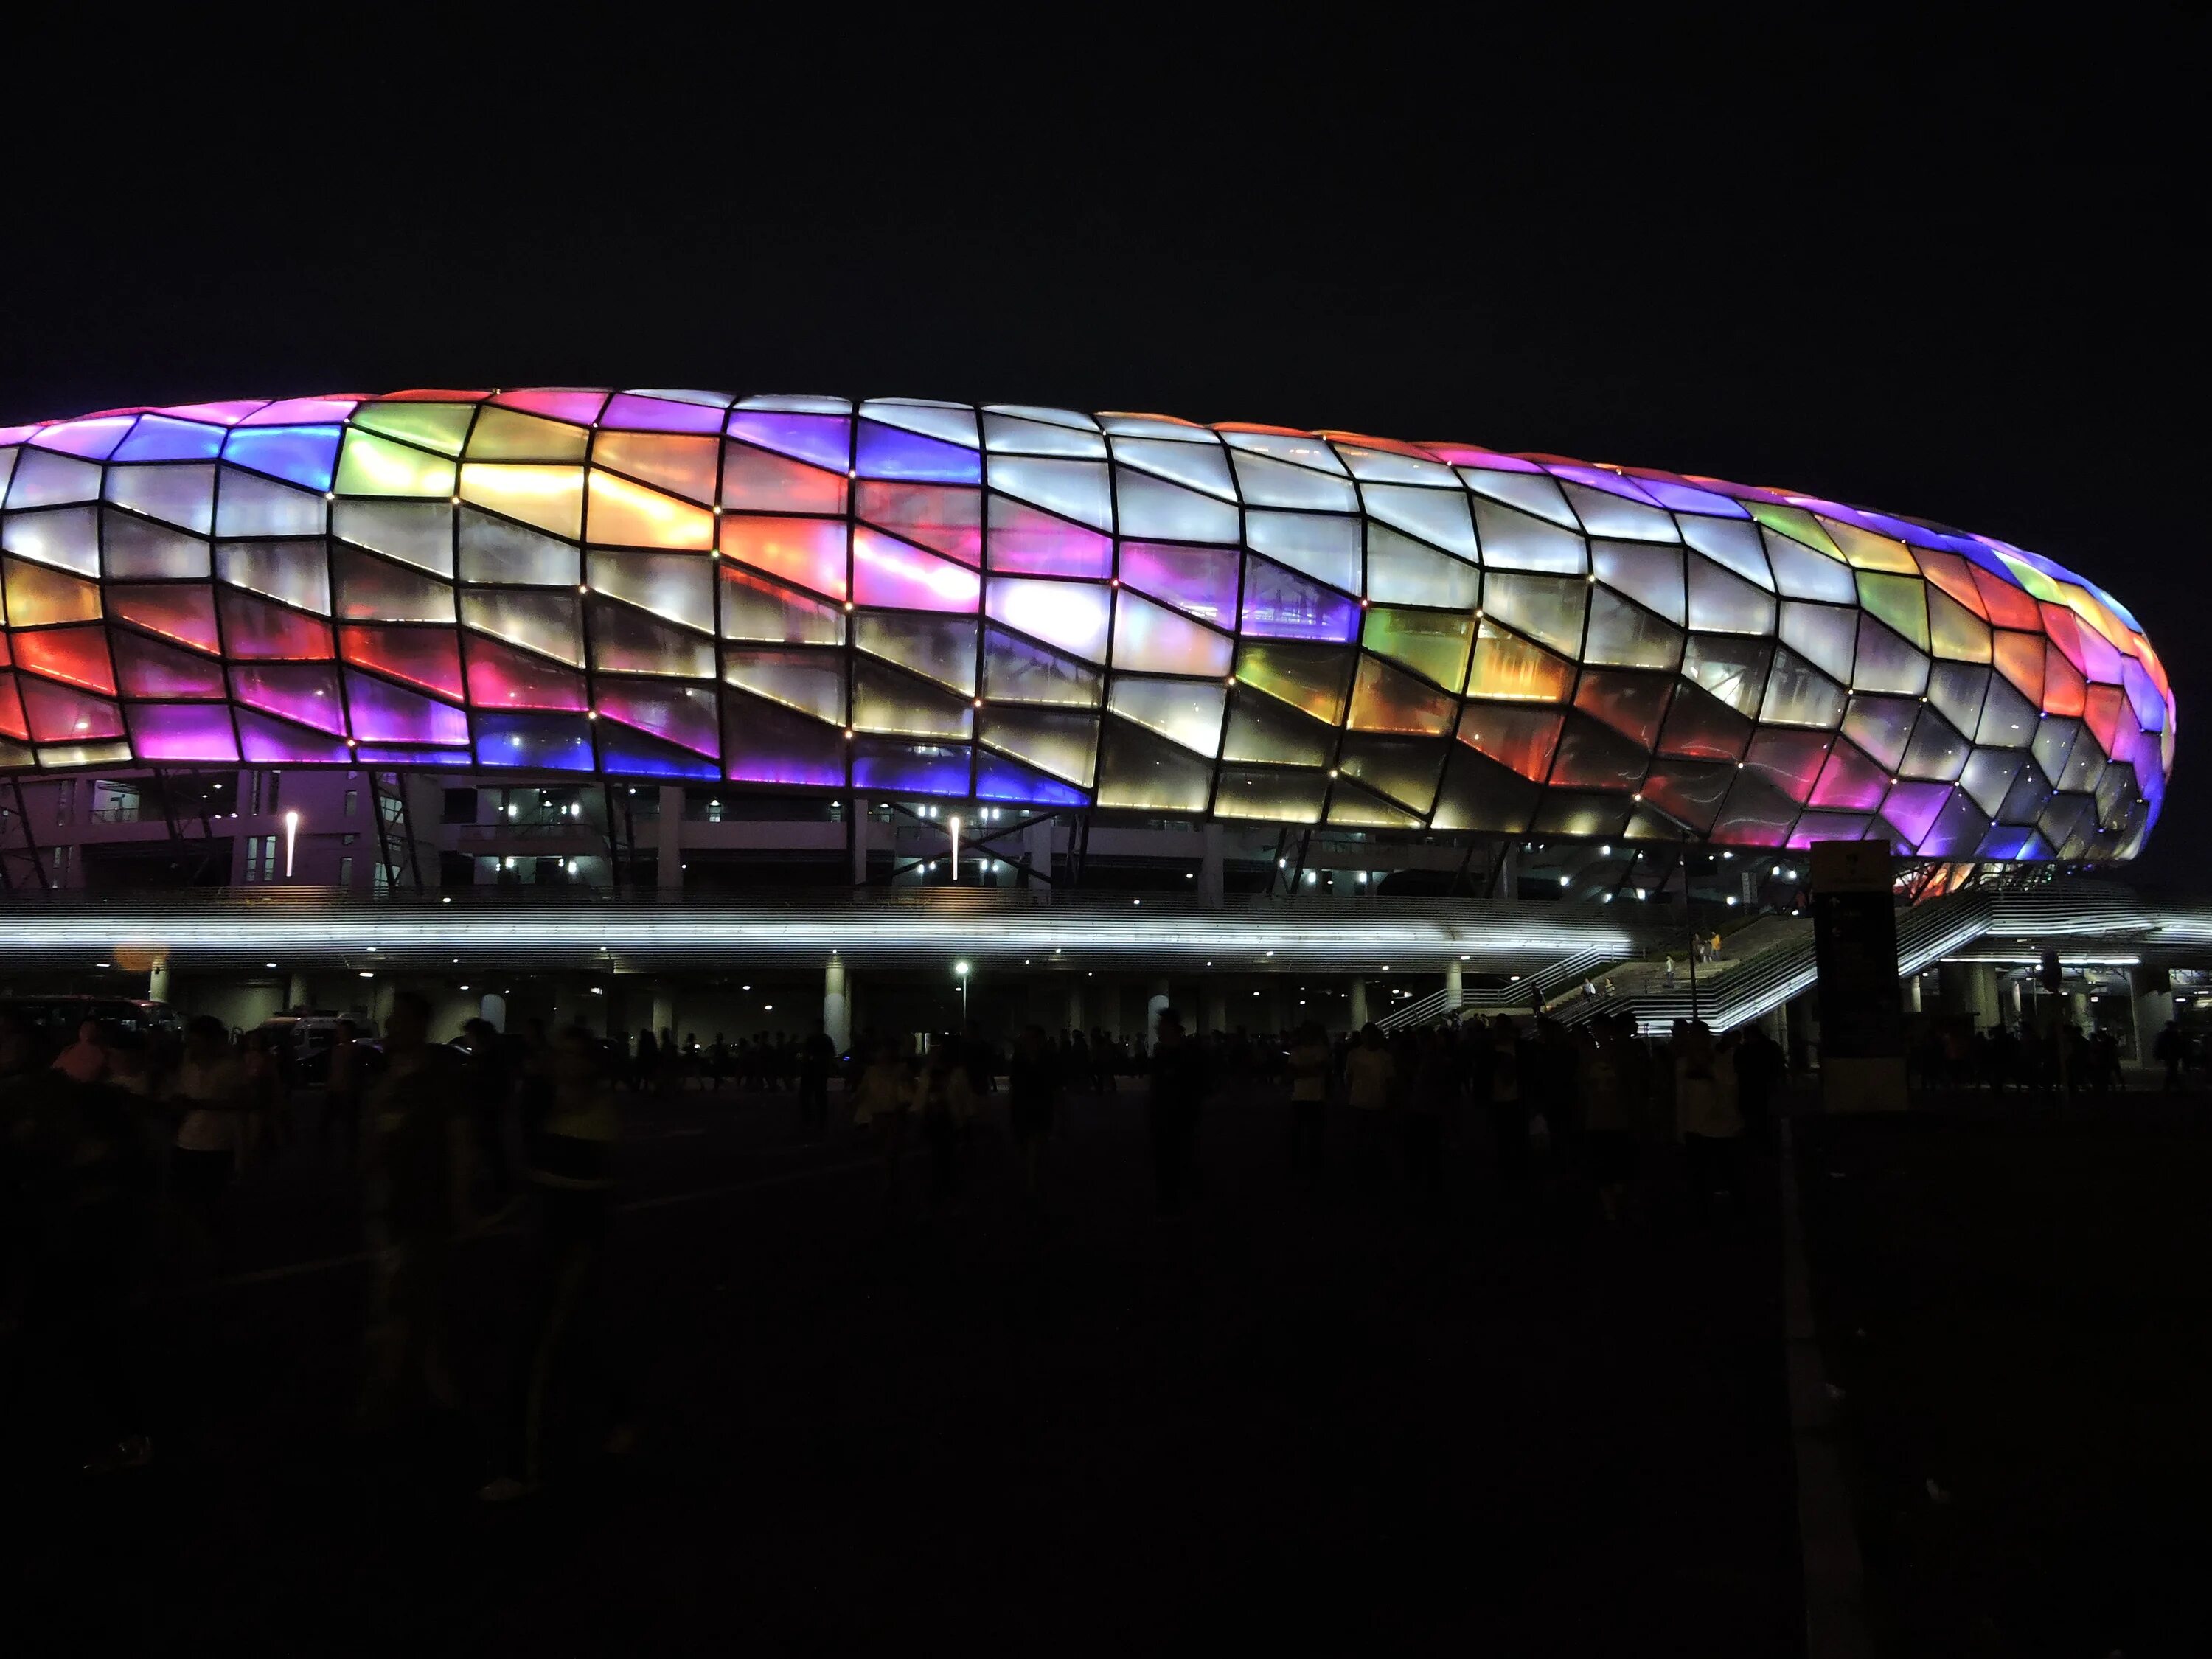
(2024, 1060)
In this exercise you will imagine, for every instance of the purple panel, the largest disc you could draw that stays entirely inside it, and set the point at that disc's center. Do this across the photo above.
(1685, 498)
(1827, 826)
(1850, 781)
(397, 755)
(1598, 478)
(147, 668)
(182, 732)
(262, 738)
(632, 413)
(550, 743)
(765, 743)
(885, 451)
(632, 754)
(384, 712)
(159, 438)
(93, 439)
(1280, 605)
(1024, 540)
(302, 692)
(1913, 808)
(999, 778)
(925, 769)
(687, 716)
(306, 455)
(823, 440)
(222, 414)
(1199, 580)
(296, 411)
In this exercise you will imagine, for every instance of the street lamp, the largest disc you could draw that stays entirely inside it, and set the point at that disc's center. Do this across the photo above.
(291, 836)
(960, 972)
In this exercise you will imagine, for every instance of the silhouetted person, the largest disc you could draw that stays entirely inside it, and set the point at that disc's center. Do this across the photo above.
(2170, 1049)
(1032, 1087)
(1178, 1090)
(1431, 1098)
(1707, 1117)
(491, 1083)
(1507, 1106)
(647, 1063)
(1370, 1082)
(345, 1077)
(944, 1103)
(1759, 1073)
(1311, 1066)
(84, 1060)
(208, 1090)
(817, 1055)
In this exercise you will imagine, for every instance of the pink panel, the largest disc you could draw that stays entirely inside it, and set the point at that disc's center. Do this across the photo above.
(384, 712)
(78, 655)
(1024, 540)
(1851, 781)
(301, 411)
(500, 677)
(629, 410)
(95, 440)
(255, 629)
(12, 723)
(147, 668)
(1913, 807)
(887, 572)
(946, 518)
(808, 551)
(578, 408)
(59, 715)
(305, 693)
(262, 738)
(174, 733)
(431, 657)
(187, 614)
(223, 414)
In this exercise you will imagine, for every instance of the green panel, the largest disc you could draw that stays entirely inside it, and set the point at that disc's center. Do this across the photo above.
(1431, 642)
(1955, 632)
(441, 427)
(370, 466)
(1795, 523)
(2033, 579)
(1140, 771)
(1900, 601)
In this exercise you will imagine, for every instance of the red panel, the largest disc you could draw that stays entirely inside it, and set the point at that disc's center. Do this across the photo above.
(12, 724)
(2020, 660)
(1632, 704)
(500, 677)
(77, 654)
(183, 613)
(1954, 576)
(2102, 711)
(59, 715)
(257, 630)
(1518, 734)
(146, 667)
(427, 657)
(2008, 606)
(2063, 685)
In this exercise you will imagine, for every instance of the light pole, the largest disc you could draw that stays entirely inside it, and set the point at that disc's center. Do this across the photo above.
(291, 837)
(960, 973)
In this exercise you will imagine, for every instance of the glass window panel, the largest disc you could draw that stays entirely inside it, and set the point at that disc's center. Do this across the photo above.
(1387, 699)
(825, 440)
(43, 478)
(627, 642)
(950, 421)
(1514, 541)
(810, 552)
(1938, 751)
(688, 716)
(2024, 802)
(759, 481)
(1277, 797)
(1199, 580)
(1532, 492)
(677, 585)
(534, 743)
(1632, 704)
(67, 538)
(1431, 642)
(494, 551)
(681, 464)
(1149, 638)
(1700, 727)
(383, 713)
(419, 532)
(1075, 617)
(1351, 806)
(181, 495)
(1849, 781)
(1625, 635)
(37, 595)
(500, 677)
(1012, 435)
(159, 438)
(2065, 691)
(630, 516)
(941, 648)
(1790, 761)
(256, 629)
(924, 769)
(1900, 601)
(248, 506)
(1062, 742)
(297, 573)
(1988, 776)
(1199, 466)
(1954, 576)
(2008, 606)
(551, 498)
(1547, 609)
(1278, 603)
(1401, 571)
(889, 572)
(1324, 547)
(1756, 814)
(1313, 677)
(1824, 634)
(753, 609)
(136, 549)
(1147, 773)
(668, 411)
(1691, 794)
(943, 517)
(374, 589)
(1152, 509)
(187, 614)
(1506, 666)
(1829, 826)
(1886, 663)
(1652, 576)
(431, 657)
(1795, 523)
(1016, 670)
(59, 715)
(1406, 769)
(183, 734)
(1024, 540)
(308, 693)
(2009, 720)
(2061, 822)
(509, 435)
(440, 426)
(1881, 725)
(13, 724)
(1436, 516)
(1734, 543)
(885, 451)
(1074, 489)
(1516, 735)
(1186, 711)
(551, 622)
(1605, 514)
(1724, 603)
(1380, 460)
(764, 744)
(370, 466)
(1958, 690)
(625, 751)
(1733, 670)
(1262, 730)
(1300, 449)
(1798, 694)
(1801, 574)
(1868, 551)
(998, 778)
(1266, 483)
(1480, 795)
(812, 682)
(148, 668)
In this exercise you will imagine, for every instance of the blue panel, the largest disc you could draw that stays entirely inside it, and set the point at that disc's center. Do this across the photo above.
(158, 438)
(370, 754)
(554, 743)
(887, 453)
(633, 754)
(305, 455)
(998, 778)
(925, 769)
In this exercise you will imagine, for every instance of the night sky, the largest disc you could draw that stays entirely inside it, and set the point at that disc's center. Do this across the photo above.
(1948, 275)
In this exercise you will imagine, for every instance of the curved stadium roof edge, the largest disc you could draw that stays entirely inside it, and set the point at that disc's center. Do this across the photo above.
(1049, 608)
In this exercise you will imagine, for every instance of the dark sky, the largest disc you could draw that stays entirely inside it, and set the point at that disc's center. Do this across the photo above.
(1948, 274)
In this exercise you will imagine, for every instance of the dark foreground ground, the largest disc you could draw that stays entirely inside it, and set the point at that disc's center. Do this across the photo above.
(1287, 1418)
(2018, 1309)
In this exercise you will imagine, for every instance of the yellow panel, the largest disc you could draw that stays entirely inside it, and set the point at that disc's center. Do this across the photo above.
(1384, 700)
(681, 464)
(37, 595)
(627, 514)
(1507, 665)
(509, 435)
(441, 427)
(370, 466)
(551, 497)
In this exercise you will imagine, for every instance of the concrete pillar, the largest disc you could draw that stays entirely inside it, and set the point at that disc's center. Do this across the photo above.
(671, 828)
(1209, 883)
(1358, 1004)
(1037, 848)
(157, 979)
(836, 1015)
(1215, 995)
(663, 1009)
(1453, 992)
(1509, 871)
(1154, 1005)
(2151, 992)
(1912, 995)
(296, 991)
(494, 1008)
(858, 807)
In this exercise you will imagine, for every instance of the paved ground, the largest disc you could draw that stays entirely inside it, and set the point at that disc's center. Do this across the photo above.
(1291, 1417)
